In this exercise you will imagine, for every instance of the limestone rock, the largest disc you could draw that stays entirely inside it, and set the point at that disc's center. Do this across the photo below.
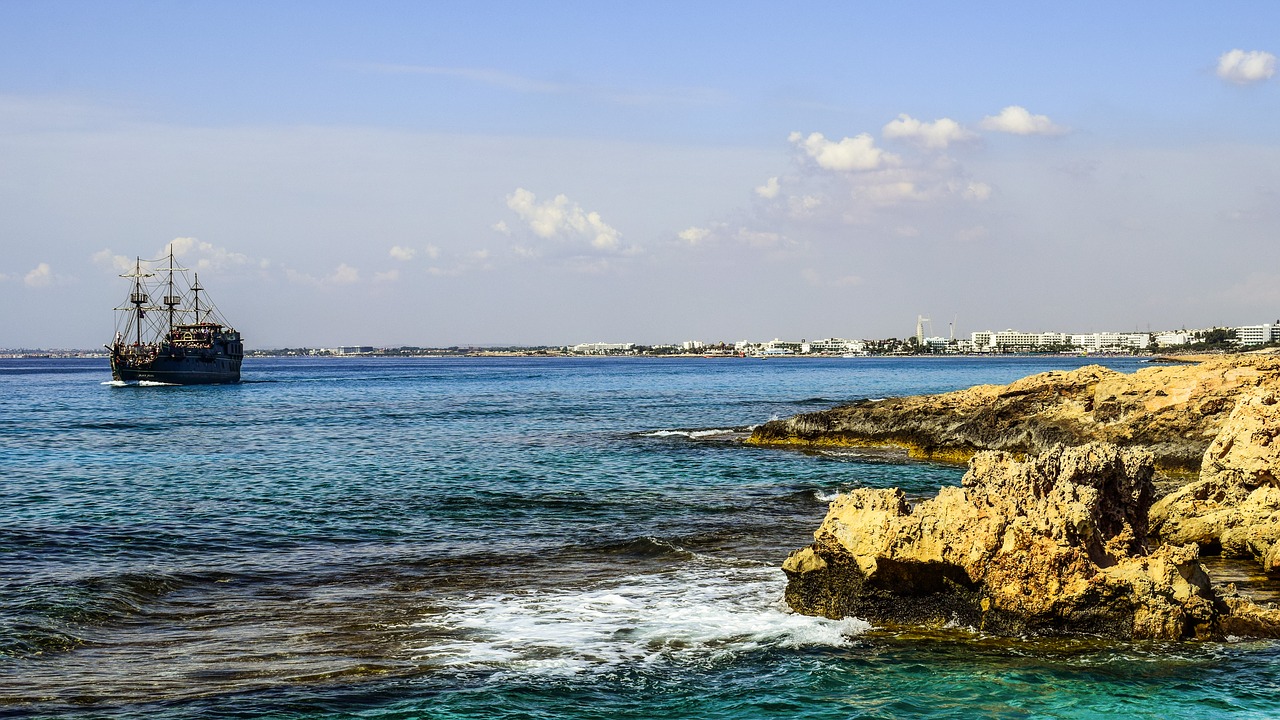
(1173, 411)
(1234, 507)
(1052, 544)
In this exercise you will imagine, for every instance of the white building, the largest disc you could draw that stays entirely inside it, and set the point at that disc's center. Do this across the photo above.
(1007, 340)
(1258, 334)
(1109, 341)
(600, 348)
(835, 345)
(1172, 339)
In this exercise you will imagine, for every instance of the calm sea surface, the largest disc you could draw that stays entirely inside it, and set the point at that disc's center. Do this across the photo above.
(495, 538)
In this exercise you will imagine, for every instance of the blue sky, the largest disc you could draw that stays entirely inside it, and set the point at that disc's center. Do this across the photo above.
(475, 173)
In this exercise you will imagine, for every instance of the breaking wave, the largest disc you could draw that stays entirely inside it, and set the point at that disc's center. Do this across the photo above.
(692, 434)
(705, 612)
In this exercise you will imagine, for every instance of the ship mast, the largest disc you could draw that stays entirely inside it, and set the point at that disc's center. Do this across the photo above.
(170, 299)
(195, 288)
(138, 297)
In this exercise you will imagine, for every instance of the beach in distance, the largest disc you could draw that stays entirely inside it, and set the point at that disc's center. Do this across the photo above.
(501, 537)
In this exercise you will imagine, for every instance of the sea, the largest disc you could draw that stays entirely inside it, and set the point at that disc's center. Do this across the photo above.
(520, 537)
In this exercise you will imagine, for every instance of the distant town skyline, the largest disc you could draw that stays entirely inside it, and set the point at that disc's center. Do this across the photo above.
(477, 173)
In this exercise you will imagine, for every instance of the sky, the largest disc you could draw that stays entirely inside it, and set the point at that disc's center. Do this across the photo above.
(548, 173)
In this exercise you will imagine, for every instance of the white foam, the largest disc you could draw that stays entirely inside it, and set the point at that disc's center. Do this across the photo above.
(154, 383)
(691, 434)
(704, 612)
(826, 496)
(116, 383)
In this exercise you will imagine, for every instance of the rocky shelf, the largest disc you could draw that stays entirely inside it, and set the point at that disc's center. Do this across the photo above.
(1053, 530)
(1172, 411)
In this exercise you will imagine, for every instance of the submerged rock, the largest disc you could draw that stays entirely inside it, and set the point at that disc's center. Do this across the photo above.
(1234, 508)
(1053, 544)
(1173, 411)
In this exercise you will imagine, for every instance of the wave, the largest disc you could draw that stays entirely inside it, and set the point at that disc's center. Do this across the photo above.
(826, 496)
(140, 383)
(704, 611)
(692, 434)
(51, 617)
(645, 547)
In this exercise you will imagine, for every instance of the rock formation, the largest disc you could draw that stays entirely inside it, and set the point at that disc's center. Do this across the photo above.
(1173, 411)
(1052, 544)
(1234, 507)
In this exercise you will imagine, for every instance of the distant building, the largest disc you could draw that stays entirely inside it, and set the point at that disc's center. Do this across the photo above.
(1108, 341)
(1258, 334)
(600, 348)
(777, 347)
(936, 345)
(1172, 339)
(835, 345)
(1015, 341)
(354, 350)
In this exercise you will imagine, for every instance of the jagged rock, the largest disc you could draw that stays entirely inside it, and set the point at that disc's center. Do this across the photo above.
(1234, 508)
(1052, 544)
(1173, 411)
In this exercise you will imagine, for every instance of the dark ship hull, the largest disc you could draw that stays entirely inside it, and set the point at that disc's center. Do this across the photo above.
(177, 368)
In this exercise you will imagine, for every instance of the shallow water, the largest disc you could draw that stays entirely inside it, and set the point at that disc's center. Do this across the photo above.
(485, 538)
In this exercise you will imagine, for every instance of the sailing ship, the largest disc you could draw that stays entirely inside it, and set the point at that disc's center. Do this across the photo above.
(183, 340)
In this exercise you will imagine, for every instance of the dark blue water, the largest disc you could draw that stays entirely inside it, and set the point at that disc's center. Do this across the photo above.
(494, 538)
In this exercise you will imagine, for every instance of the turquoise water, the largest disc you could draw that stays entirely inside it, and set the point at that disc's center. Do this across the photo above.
(495, 538)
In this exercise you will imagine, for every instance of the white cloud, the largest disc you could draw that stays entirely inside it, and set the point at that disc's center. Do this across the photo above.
(937, 134)
(501, 227)
(976, 191)
(403, 254)
(208, 256)
(386, 277)
(344, 275)
(770, 189)
(855, 153)
(801, 205)
(1241, 67)
(107, 259)
(41, 276)
(562, 218)
(694, 235)
(1016, 120)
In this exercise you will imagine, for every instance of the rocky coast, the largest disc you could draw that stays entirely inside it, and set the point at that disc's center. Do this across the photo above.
(1174, 411)
(1056, 528)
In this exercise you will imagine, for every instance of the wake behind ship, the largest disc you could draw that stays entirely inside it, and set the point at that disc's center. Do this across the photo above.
(182, 340)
